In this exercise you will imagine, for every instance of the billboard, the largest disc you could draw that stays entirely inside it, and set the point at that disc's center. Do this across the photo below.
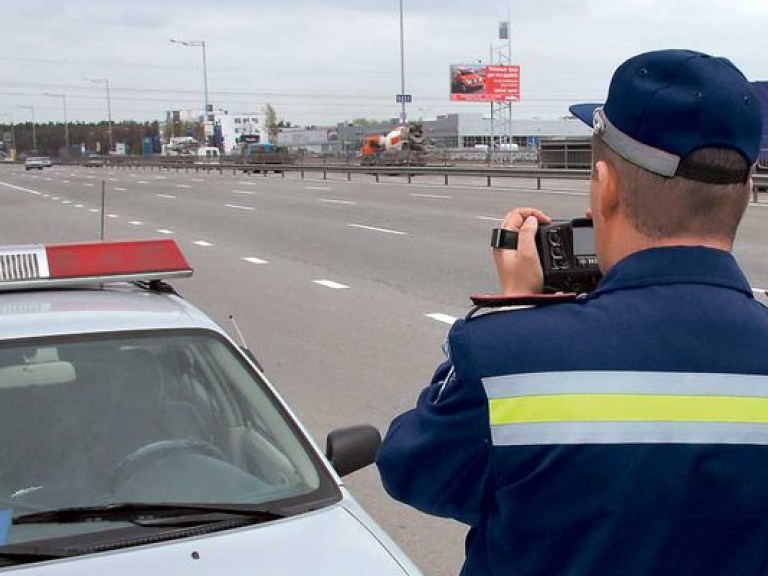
(481, 83)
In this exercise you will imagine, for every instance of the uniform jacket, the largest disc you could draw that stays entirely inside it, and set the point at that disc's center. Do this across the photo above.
(624, 434)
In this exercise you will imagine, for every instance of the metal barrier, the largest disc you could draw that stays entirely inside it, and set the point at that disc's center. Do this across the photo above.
(760, 181)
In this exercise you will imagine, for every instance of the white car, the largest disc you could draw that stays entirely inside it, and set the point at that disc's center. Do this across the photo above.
(37, 162)
(139, 438)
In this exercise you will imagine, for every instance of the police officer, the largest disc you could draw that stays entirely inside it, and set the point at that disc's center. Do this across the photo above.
(624, 433)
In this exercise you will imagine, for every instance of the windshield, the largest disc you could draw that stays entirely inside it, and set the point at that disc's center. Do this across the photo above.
(160, 418)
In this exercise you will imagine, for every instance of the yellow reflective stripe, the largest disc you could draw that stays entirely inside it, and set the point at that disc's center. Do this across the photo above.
(627, 407)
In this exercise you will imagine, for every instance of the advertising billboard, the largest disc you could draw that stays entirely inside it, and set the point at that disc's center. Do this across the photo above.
(485, 83)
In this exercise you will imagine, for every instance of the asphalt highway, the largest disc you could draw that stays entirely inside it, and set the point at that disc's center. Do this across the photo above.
(343, 290)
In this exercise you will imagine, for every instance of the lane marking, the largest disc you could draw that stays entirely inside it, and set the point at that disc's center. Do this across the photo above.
(196, 180)
(490, 218)
(202, 243)
(331, 284)
(113, 179)
(244, 183)
(165, 196)
(317, 188)
(65, 181)
(94, 210)
(374, 229)
(78, 205)
(238, 207)
(164, 231)
(88, 185)
(183, 186)
(332, 201)
(119, 189)
(27, 190)
(141, 182)
(251, 192)
(438, 196)
(136, 223)
(253, 260)
(112, 216)
(444, 318)
(66, 201)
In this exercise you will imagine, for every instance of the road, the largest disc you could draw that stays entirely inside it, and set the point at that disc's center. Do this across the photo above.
(343, 290)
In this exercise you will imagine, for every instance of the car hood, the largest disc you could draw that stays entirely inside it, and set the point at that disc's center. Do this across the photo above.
(332, 541)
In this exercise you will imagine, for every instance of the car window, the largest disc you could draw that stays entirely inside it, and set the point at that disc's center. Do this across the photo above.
(174, 417)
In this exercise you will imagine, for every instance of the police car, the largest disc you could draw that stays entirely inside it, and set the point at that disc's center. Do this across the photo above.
(137, 437)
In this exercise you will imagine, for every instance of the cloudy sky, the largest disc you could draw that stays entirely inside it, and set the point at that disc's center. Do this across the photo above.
(323, 62)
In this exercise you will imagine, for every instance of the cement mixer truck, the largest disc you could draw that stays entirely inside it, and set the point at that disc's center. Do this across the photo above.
(403, 146)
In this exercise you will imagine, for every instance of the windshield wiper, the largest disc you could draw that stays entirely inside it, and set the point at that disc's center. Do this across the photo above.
(154, 514)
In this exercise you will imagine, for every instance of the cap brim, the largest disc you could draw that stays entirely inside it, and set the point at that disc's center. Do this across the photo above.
(585, 112)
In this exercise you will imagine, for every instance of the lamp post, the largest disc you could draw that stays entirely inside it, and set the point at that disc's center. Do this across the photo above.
(66, 124)
(105, 81)
(402, 66)
(201, 44)
(34, 134)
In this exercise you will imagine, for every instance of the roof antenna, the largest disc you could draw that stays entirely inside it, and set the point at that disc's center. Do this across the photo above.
(243, 343)
(103, 202)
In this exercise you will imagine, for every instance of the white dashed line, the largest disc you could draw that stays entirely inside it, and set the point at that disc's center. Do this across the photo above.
(141, 182)
(316, 188)
(253, 260)
(245, 183)
(136, 223)
(164, 231)
(202, 243)
(88, 185)
(112, 216)
(330, 284)
(94, 210)
(183, 186)
(65, 181)
(438, 196)
(490, 218)
(243, 192)
(66, 201)
(238, 207)
(373, 228)
(22, 189)
(78, 205)
(444, 318)
(171, 196)
(332, 201)
(112, 179)
(119, 189)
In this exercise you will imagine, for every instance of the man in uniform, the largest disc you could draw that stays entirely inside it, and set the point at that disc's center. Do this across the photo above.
(625, 432)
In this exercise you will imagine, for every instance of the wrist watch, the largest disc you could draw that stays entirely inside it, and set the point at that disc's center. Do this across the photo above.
(503, 238)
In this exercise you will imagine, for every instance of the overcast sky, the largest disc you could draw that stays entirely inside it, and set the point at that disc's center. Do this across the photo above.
(323, 62)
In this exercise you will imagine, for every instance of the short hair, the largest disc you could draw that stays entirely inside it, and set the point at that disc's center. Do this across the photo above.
(661, 207)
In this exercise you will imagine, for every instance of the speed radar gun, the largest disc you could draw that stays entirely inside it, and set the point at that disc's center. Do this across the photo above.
(566, 251)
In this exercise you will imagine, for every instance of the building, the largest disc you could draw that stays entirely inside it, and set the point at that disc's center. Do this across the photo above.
(225, 129)
(470, 131)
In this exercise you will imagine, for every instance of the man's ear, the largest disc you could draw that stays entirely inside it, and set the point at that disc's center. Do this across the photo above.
(607, 189)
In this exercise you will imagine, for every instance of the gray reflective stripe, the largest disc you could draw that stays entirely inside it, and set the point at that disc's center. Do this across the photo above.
(648, 157)
(656, 383)
(628, 433)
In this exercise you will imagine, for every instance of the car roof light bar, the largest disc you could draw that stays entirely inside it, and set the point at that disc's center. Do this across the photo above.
(39, 266)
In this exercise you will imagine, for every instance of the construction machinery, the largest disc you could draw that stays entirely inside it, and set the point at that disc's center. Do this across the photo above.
(403, 146)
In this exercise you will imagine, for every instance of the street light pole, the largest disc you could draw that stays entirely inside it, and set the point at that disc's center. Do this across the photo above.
(34, 134)
(402, 66)
(66, 124)
(201, 44)
(105, 81)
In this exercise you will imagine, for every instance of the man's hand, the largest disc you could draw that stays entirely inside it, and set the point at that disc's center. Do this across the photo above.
(520, 270)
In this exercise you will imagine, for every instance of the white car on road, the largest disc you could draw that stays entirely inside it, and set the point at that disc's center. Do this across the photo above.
(139, 438)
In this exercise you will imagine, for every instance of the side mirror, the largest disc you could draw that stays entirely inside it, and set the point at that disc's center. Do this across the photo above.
(352, 448)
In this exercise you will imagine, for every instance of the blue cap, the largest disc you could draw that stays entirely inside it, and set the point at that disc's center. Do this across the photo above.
(663, 105)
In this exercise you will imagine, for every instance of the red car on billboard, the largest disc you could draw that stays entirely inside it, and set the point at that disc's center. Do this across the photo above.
(466, 81)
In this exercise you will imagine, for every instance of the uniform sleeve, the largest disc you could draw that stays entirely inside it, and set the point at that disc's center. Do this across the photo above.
(436, 457)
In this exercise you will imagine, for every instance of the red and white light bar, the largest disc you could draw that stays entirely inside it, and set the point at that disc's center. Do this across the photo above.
(40, 266)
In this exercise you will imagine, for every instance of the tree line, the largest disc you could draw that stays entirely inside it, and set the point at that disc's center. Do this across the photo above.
(84, 137)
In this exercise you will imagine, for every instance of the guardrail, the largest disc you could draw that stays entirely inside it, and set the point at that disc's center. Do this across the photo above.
(760, 181)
